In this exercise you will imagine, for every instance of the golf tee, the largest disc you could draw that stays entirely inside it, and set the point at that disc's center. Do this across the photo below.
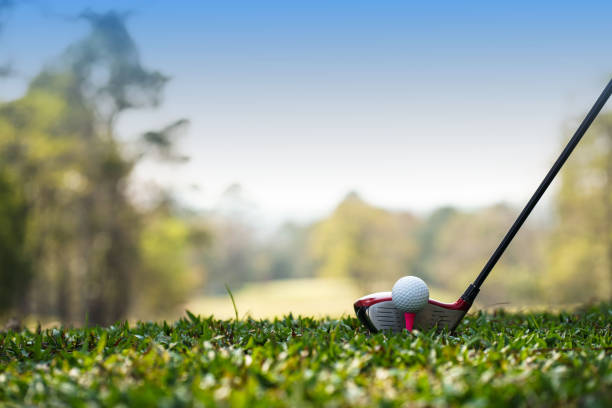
(409, 318)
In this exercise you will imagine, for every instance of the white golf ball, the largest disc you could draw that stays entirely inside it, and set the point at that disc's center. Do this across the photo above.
(410, 294)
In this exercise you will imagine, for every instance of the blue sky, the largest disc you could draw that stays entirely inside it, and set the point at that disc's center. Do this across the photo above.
(413, 104)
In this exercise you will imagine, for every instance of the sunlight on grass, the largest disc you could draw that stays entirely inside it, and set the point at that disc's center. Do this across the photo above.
(306, 297)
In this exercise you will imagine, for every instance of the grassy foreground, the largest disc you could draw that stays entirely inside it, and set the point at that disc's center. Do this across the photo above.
(494, 359)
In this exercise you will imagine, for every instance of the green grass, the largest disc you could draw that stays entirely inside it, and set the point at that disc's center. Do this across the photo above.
(494, 359)
(317, 297)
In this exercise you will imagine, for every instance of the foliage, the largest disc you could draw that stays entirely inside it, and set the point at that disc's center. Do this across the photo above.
(369, 244)
(463, 242)
(63, 158)
(230, 259)
(581, 243)
(286, 255)
(165, 244)
(238, 251)
(429, 231)
(42, 147)
(15, 273)
(375, 247)
(495, 359)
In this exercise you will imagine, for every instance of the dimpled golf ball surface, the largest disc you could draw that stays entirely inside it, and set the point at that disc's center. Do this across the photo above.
(410, 294)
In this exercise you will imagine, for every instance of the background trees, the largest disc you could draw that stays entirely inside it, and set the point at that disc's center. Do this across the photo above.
(579, 255)
(368, 244)
(66, 172)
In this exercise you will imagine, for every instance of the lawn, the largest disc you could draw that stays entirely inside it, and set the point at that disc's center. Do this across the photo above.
(317, 297)
(494, 359)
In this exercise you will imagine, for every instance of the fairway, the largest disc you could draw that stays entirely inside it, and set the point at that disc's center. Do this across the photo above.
(316, 297)
(494, 359)
(306, 297)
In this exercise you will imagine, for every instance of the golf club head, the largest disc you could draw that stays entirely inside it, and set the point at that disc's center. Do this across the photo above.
(377, 312)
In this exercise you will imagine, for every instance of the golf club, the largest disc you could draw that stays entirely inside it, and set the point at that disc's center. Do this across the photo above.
(377, 312)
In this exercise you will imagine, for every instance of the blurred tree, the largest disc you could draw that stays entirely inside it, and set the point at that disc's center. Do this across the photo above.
(367, 244)
(580, 255)
(231, 258)
(60, 143)
(463, 243)
(39, 147)
(234, 256)
(428, 233)
(280, 255)
(15, 273)
(5, 7)
(240, 252)
(167, 244)
(285, 254)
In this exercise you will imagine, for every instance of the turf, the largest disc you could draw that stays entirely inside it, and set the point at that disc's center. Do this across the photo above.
(494, 359)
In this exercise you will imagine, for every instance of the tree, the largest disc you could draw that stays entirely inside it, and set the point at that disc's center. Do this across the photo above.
(580, 261)
(40, 149)
(284, 255)
(427, 235)
(167, 274)
(5, 7)
(465, 240)
(370, 245)
(15, 273)
(60, 144)
(231, 257)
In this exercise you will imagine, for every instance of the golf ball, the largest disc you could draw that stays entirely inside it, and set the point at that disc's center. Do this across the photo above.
(410, 294)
